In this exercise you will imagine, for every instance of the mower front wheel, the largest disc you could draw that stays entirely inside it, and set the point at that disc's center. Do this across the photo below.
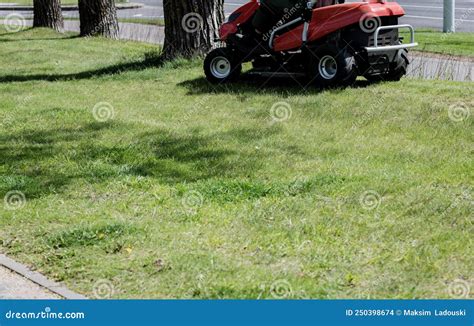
(331, 67)
(397, 69)
(400, 66)
(221, 66)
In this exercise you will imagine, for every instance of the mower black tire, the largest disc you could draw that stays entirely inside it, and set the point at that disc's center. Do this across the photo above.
(330, 66)
(221, 66)
(398, 69)
(400, 66)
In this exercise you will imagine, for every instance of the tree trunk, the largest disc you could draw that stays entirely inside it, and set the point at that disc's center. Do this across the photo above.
(98, 18)
(191, 26)
(47, 13)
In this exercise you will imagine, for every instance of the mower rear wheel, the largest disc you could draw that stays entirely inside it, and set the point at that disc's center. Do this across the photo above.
(331, 66)
(221, 66)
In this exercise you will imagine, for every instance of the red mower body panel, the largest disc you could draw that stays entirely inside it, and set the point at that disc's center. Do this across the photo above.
(327, 20)
(243, 14)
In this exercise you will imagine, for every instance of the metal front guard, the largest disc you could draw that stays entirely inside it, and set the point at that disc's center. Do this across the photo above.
(377, 48)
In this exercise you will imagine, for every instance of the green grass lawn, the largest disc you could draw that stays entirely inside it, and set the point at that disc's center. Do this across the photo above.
(437, 42)
(147, 21)
(194, 191)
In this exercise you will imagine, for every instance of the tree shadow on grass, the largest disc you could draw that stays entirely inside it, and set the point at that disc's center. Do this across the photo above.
(258, 85)
(58, 37)
(7, 40)
(151, 59)
(15, 32)
(42, 162)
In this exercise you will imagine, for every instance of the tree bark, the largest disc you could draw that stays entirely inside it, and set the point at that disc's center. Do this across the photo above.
(47, 13)
(98, 18)
(191, 27)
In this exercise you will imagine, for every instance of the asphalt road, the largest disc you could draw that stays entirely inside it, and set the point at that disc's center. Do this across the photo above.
(420, 13)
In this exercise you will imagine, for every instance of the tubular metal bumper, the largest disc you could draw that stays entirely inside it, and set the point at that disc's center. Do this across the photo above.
(377, 48)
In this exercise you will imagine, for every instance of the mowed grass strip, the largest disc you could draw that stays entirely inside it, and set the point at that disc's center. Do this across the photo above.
(457, 44)
(172, 188)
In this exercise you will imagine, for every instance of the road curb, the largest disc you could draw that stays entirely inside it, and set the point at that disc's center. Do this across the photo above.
(39, 279)
(119, 6)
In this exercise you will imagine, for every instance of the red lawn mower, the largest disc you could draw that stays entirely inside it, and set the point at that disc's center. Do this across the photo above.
(328, 42)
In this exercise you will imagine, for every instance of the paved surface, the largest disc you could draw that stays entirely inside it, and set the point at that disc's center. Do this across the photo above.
(429, 13)
(419, 13)
(429, 66)
(17, 281)
(14, 286)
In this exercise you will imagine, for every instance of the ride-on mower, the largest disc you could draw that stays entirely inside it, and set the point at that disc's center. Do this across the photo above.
(329, 43)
